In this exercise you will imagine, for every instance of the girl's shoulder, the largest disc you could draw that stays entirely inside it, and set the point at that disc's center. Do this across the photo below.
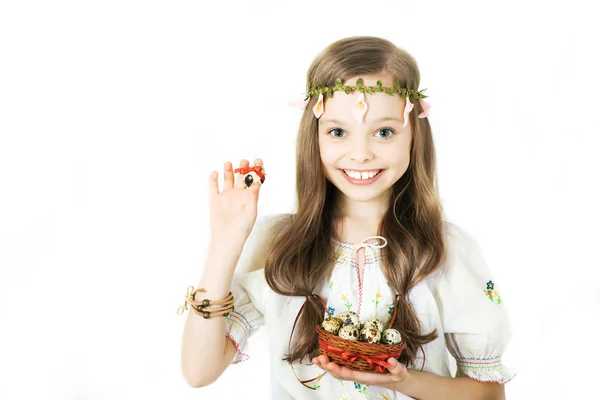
(264, 231)
(266, 226)
(458, 238)
(464, 256)
(258, 243)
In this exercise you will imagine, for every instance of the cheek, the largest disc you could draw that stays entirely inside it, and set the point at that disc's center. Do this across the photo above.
(404, 160)
(329, 161)
(398, 156)
(328, 155)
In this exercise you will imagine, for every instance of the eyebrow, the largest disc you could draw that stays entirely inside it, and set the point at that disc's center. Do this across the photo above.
(330, 121)
(397, 119)
(377, 121)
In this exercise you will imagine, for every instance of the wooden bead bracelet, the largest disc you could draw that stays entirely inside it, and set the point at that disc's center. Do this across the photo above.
(207, 308)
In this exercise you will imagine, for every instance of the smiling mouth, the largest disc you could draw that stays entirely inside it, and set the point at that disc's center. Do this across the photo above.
(362, 175)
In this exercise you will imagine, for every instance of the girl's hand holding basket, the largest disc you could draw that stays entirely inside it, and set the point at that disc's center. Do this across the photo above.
(368, 361)
(397, 372)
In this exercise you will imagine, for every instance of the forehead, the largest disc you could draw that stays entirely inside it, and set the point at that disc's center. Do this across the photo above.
(379, 104)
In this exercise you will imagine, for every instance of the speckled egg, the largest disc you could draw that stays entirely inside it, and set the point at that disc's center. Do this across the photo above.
(391, 336)
(349, 332)
(349, 318)
(370, 335)
(332, 325)
(373, 323)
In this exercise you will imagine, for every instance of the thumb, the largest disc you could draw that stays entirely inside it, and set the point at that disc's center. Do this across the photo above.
(396, 367)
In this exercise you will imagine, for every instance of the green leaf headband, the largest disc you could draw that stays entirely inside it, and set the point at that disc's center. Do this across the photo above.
(318, 89)
(360, 106)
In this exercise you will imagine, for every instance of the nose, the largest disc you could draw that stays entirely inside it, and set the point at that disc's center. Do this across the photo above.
(361, 149)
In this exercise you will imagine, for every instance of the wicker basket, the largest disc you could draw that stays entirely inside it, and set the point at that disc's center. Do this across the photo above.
(356, 355)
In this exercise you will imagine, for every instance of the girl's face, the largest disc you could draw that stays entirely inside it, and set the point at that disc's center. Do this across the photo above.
(364, 158)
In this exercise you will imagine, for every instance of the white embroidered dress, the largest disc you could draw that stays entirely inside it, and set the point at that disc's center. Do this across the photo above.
(460, 300)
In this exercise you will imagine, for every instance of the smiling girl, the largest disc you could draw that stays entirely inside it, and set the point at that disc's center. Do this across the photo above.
(368, 236)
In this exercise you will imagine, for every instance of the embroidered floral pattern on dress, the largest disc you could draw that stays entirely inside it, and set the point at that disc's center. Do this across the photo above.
(330, 310)
(360, 388)
(360, 275)
(240, 355)
(346, 302)
(239, 329)
(491, 293)
(376, 301)
(345, 252)
(484, 369)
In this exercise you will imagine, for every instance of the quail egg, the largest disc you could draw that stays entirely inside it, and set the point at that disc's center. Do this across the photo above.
(349, 318)
(370, 335)
(349, 332)
(373, 323)
(332, 325)
(391, 336)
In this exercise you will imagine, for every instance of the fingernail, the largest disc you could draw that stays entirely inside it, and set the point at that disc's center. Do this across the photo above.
(393, 362)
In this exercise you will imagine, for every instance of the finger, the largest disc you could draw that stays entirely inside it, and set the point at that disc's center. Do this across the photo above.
(227, 175)
(213, 183)
(254, 192)
(239, 180)
(396, 367)
(339, 372)
(397, 373)
(334, 368)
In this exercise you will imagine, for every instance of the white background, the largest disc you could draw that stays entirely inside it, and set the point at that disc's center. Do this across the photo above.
(114, 113)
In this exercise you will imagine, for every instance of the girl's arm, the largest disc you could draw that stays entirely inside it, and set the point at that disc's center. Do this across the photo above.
(206, 352)
(417, 384)
(425, 385)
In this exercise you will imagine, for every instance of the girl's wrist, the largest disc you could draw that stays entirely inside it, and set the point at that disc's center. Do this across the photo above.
(404, 385)
(219, 270)
(226, 244)
(224, 254)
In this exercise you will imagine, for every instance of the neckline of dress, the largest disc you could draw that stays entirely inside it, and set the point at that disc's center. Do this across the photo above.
(350, 246)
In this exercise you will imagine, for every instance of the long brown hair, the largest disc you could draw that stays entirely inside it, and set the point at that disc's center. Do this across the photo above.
(302, 254)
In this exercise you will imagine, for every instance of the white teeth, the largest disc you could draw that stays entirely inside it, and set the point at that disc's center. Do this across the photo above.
(361, 175)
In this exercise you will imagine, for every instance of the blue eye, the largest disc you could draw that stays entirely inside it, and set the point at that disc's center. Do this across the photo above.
(386, 133)
(336, 132)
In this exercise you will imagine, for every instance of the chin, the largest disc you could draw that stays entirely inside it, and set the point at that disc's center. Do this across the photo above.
(365, 197)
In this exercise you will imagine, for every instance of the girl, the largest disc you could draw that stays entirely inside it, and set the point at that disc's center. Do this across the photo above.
(368, 236)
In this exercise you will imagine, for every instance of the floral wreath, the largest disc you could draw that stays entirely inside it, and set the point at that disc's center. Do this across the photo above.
(360, 105)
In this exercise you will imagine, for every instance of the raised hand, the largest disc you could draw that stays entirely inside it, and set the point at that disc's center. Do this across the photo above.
(233, 210)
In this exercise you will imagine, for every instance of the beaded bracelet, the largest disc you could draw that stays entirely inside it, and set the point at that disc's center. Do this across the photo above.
(207, 308)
